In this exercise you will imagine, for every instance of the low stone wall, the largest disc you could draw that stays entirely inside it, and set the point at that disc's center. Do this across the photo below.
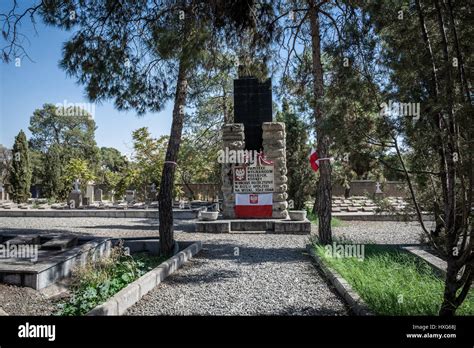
(204, 191)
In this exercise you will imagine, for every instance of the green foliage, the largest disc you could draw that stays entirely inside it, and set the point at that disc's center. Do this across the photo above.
(112, 160)
(60, 136)
(301, 178)
(53, 186)
(149, 156)
(113, 167)
(5, 166)
(77, 169)
(20, 175)
(73, 133)
(97, 281)
(198, 159)
(311, 216)
(393, 282)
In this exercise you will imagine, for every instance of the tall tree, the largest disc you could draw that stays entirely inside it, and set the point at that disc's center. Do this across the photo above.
(20, 176)
(5, 167)
(72, 132)
(436, 153)
(298, 28)
(52, 184)
(140, 54)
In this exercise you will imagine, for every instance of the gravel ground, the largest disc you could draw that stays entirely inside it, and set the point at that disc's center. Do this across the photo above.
(235, 274)
(24, 301)
(244, 274)
(379, 232)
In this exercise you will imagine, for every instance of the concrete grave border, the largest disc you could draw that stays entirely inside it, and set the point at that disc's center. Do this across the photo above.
(178, 214)
(133, 292)
(423, 253)
(350, 296)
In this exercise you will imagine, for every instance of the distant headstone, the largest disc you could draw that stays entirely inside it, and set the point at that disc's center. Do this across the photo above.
(1, 193)
(152, 194)
(378, 191)
(98, 195)
(86, 201)
(75, 199)
(377, 188)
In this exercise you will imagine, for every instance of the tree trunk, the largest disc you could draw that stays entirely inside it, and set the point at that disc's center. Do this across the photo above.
(165, 197)
(324, 187)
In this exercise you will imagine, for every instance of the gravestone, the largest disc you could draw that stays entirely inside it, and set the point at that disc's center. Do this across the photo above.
(75, 196)
(98, 195)
(378, 194)
(129, 196)
(152, 193)
(2, 198)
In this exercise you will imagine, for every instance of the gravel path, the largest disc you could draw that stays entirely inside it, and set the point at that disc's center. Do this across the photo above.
(235, 274)
(244, 274)
(24, 301)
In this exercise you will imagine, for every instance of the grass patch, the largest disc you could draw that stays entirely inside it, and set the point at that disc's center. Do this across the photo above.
(97, 281)
(335, 222)
(394, 282)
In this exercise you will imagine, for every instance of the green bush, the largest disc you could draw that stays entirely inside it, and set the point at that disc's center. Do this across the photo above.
(97, 281)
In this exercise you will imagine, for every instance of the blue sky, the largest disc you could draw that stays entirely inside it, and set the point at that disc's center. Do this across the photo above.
(26, 88)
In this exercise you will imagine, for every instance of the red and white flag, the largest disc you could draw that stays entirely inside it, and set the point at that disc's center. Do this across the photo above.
(252, 205)
(314, 160)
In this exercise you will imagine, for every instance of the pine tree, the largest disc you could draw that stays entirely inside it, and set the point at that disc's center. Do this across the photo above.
(143, 54)
(20, 176)
(52, 184)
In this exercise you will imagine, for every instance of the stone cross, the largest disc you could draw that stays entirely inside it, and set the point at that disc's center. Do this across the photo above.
(377, 188)
(153, 187)
(76, 185)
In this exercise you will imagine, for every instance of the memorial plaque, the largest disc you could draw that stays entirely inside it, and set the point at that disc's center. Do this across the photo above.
(249, 179)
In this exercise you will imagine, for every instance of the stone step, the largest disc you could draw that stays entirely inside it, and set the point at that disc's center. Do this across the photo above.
(268, 225)
(252, 225)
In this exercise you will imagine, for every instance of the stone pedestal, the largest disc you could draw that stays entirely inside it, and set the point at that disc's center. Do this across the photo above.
(274, 147)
